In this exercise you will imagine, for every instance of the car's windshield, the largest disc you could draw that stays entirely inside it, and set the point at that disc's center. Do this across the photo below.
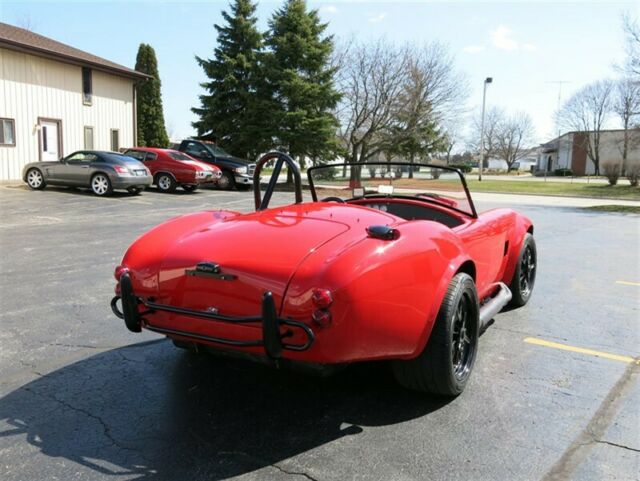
(215, 150)
(430, 183)
(178, 155)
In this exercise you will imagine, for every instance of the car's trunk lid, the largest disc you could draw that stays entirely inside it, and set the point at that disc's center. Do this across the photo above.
(255, 254)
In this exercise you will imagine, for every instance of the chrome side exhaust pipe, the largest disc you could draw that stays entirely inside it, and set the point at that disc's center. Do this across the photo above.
(494, 305)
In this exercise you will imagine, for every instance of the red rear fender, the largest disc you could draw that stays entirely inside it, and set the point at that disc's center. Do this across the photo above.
(386, 293)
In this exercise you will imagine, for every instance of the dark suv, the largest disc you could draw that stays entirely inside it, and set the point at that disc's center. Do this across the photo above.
(236, 172)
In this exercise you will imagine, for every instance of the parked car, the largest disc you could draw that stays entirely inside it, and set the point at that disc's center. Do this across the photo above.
(171, 168)
(102, 172)
(403, 270)
(236, 172)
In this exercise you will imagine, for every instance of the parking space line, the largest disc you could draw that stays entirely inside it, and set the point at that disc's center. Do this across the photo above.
(628, 283)
(581, 350)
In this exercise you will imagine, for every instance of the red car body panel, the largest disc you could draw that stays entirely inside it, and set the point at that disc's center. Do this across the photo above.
(183, 171)
(386, 294)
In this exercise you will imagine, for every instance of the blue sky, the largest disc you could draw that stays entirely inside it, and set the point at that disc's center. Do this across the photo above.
(525, 46)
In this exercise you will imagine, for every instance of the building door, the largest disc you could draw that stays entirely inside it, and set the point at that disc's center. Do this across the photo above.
(50, 140)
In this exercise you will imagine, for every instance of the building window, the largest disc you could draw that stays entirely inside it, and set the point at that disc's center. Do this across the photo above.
(7, 132)
(87, 86)
(115, 140)
(88, 138)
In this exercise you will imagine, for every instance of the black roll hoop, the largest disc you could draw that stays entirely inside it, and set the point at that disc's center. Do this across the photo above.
(262, 204)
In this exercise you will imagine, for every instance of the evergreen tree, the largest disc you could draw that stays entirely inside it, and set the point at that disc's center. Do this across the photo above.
(151, 129)
(298, 72)
(232, 107)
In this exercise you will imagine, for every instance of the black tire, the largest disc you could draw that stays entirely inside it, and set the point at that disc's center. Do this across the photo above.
(243, 187)
(101, 185)
(524, 277)
(134, 190)
(190, 188)
(165, 183)
(35, 179)
(226, 181)
(445, 364)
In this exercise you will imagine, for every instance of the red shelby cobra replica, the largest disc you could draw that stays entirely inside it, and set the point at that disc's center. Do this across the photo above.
(389, 261)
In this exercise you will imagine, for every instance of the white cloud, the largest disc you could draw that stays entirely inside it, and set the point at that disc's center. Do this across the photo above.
(473, 48)
(501, 38)
(529, 47)
(377, 18)
(331, 9)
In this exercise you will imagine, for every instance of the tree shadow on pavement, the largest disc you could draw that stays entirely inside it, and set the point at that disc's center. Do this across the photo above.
(154, 412)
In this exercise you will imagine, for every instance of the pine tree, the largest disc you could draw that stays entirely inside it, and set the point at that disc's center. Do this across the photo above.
(298, 71)
(151, 129)
(232, 108)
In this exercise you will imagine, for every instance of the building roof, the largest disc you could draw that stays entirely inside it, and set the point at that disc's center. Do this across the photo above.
(22, 40)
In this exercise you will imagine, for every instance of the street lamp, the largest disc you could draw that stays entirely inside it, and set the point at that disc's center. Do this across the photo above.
(487, 81)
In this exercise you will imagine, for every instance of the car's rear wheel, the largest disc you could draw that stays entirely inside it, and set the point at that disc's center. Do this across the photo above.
(226, 181)
(35, 179)
(101, 185)
(524, 276)
(134, 190)
(445, 364)
(190, 188)
(165, 183)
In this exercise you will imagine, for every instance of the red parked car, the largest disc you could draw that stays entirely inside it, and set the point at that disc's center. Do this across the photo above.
(171, 168)
(377, 266)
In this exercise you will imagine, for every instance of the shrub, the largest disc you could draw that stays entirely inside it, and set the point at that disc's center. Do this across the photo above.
(611, 170)
(463, 167)
(563, 172)
(326, 173)
(633, 174)
(435, 173)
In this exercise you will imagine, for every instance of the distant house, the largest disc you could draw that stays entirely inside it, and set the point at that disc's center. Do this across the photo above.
(56, 99)
(569, 151)
(529, 158)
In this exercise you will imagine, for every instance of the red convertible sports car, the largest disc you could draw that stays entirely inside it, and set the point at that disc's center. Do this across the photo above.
(388, 261)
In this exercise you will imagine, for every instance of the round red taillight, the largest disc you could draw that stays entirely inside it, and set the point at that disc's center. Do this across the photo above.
(321, 317)
(322, 298)
(118, 273)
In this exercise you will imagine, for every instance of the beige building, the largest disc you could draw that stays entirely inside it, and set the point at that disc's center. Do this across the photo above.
(570, 151)
(56, 99)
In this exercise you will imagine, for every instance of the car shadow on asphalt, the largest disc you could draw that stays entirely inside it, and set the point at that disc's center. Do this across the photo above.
(159, 413)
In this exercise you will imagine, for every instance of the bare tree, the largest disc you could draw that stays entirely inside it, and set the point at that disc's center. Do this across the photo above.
(632, 39)
(493, 118)
(371, 79)
(626, 104)
(451, 137)
(433, 94)
(395, 98)
(514, 135)
(587, 112)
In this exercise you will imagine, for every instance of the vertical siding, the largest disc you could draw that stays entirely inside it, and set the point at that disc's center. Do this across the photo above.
(32, 87)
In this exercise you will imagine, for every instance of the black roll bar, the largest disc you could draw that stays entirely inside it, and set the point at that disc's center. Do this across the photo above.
(262, 204)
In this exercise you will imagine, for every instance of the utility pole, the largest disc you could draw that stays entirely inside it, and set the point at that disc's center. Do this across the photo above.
(559, 83)
(487, 81)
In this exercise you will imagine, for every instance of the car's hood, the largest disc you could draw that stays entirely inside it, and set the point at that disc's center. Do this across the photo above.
(233, 160)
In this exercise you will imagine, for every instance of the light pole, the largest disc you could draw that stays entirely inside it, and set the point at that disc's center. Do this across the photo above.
(487, 81)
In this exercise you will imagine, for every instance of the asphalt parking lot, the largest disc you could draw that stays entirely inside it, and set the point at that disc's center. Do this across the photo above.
(555, 393)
